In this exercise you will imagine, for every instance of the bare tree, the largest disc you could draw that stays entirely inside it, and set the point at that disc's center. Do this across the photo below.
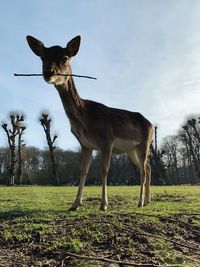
(46, 124)
(186, 156)
(193, 123)
(170, 146)
(191, 146)
(156, 140)
(20, 146)
(4, 164)
(158, 168)
(11, 133)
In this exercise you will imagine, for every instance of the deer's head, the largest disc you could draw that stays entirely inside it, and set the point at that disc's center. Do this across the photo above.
(55, 59)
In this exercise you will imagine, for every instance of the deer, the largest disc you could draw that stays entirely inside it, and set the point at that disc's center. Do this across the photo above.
(97, 127)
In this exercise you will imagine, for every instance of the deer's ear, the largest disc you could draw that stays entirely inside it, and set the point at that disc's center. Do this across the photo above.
(73, 46)
(36, 46)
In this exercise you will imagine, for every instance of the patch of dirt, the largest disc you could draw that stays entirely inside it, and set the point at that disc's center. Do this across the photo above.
(110, 236)
(170, 198)
(93, 200)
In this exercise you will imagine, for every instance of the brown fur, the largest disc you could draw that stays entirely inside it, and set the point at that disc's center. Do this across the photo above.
(96, 126)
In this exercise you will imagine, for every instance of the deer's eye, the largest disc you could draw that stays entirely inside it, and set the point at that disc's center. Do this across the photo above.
(65, 59)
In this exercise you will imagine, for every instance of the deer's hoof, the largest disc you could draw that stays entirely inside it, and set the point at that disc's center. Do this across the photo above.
(74, 208)
(140, 204)
(146, 202)
(103, 207)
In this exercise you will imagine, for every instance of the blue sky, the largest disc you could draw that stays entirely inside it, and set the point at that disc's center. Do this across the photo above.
(145, 54)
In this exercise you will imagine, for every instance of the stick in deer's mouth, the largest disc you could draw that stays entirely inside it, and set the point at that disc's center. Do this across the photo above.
(58, 74)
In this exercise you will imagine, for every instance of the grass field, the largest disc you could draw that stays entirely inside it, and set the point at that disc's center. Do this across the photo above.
(36, 228)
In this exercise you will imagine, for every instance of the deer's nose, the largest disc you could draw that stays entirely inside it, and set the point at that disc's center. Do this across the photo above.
(49, 73)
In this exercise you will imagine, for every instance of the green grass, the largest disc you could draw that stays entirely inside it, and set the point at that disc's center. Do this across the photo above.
(36, 226)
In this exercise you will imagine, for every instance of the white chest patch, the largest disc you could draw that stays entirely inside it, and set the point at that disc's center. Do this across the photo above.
(124, 145)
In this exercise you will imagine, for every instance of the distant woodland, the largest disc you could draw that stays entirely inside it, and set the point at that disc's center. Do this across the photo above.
(176, 161)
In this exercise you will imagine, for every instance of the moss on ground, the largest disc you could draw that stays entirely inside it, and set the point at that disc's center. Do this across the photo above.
(36, 227)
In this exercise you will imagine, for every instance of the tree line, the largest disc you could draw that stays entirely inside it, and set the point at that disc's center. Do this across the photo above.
(176, 161)
(182, 153)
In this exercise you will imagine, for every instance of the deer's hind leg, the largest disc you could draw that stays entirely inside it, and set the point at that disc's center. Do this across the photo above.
(147, 197)
(105, 164)
(139, 157)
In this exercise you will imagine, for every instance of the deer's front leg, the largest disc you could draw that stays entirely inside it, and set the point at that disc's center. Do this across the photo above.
(105, 163)
(85, 164)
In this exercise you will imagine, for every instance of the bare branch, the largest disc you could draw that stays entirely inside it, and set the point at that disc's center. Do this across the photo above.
(58, 74)
(89, 258)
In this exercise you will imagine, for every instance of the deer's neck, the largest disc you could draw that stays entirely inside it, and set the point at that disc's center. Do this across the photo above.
(71, 100)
